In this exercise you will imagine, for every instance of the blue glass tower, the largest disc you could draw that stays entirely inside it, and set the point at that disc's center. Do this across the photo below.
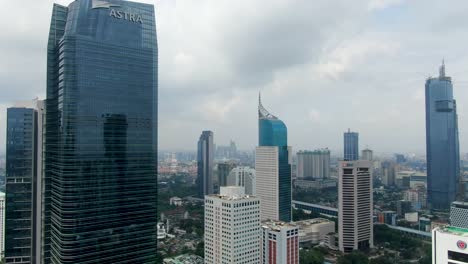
(442, 149)
(205, 157)
(351, 145)
(101, 134)
(273, 132)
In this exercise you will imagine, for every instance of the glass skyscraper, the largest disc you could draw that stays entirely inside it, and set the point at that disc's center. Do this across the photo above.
(205, 164)
(443, 156)
(100, 182)
(272, 132)
(351, 145)
(23, 174)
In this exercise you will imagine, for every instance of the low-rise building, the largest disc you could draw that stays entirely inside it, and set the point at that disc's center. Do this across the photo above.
(314, 230)
(176, 201)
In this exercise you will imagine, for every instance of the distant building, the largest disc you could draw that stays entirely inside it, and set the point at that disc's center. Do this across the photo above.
(417, 197)
(243, 176)
(224, 169)
(176, 201)
(313, 164)
(232, 227)
(412, 217)
(2, 224)
(23, 198)
(314, 230)
(459, 214)
(387, 217)
(442, 146)
(205, 164)
(403, 207)
(316, 184)
(367, 154)
(355, 203)
(449, 245)
(273, 167)
(280, 243)
(351, 145)
(400, 158)
(389, 171)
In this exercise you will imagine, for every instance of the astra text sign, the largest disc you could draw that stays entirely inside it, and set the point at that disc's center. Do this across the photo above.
(126, 15)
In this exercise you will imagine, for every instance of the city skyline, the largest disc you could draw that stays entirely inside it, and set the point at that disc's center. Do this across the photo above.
(373, 67)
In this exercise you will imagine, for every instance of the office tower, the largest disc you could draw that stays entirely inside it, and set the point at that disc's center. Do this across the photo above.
(280, 243)
(2, 224)
(273, 167)
(355, 204)
(449, 245)
(351, 145)
(23, 182)
(243, 176)
(367, 154)
(205, 164)
(232, 227)
(389, 171)
(101, 134)
(459, 214)
(403, 207)
(313, 164)
(442, 150)
(224, 169)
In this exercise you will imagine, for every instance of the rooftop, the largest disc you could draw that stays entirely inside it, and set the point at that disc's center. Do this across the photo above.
(277, 225)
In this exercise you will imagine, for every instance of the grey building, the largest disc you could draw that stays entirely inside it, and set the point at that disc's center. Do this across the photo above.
(101, 134)
(23, 183)
(224, 169)
(355, 206)
(313, 164)
(442, 147)
(367, 154)
(459, 214)
(351, 145)
(205, 159)
(243, 176)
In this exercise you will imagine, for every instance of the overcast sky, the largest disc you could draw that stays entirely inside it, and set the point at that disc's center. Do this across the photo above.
(322, 66)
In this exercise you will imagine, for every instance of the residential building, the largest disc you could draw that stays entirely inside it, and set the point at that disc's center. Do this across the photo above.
(314, 230)
(205, 164)
(351, 145)
(22, 201)
(243, 176)
(313, 164)
(355, 205)
(232, 227)
(101, 134)
(273, 167)
(280, 243)
(442, 146)
(367, 154)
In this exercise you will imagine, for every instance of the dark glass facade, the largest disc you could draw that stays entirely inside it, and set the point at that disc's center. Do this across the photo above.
(273, 132)
(442, 147)
(21, 185)
(205, 164)
(101, 134)
(351, 145)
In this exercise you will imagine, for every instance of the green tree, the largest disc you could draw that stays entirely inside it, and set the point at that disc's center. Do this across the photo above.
(312, 256)
(355, 257)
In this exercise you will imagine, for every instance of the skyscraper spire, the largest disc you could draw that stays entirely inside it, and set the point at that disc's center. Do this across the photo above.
(442, 69)
(262, 112)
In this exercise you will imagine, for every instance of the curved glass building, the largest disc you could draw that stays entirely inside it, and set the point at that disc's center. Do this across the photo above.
(273, 167)
(100, 181)
(442, 147)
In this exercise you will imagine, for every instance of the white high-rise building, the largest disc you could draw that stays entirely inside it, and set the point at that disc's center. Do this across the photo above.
(280, 243)
(266, 167)
(2, 223)
(313, 164)
(243, 176)
(355, 204)
(449, 245)
(232, 227)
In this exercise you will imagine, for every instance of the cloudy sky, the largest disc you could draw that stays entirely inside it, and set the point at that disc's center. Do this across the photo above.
(322, 66)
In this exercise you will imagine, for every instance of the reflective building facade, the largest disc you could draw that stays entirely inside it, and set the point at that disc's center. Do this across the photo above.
(442, 149)
(273, 135)
(101, 134)
(351, 145)
(23, 163)
(205, 164)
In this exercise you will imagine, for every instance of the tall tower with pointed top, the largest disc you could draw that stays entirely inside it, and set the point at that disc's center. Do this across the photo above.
(273, 167)
(442, 147)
